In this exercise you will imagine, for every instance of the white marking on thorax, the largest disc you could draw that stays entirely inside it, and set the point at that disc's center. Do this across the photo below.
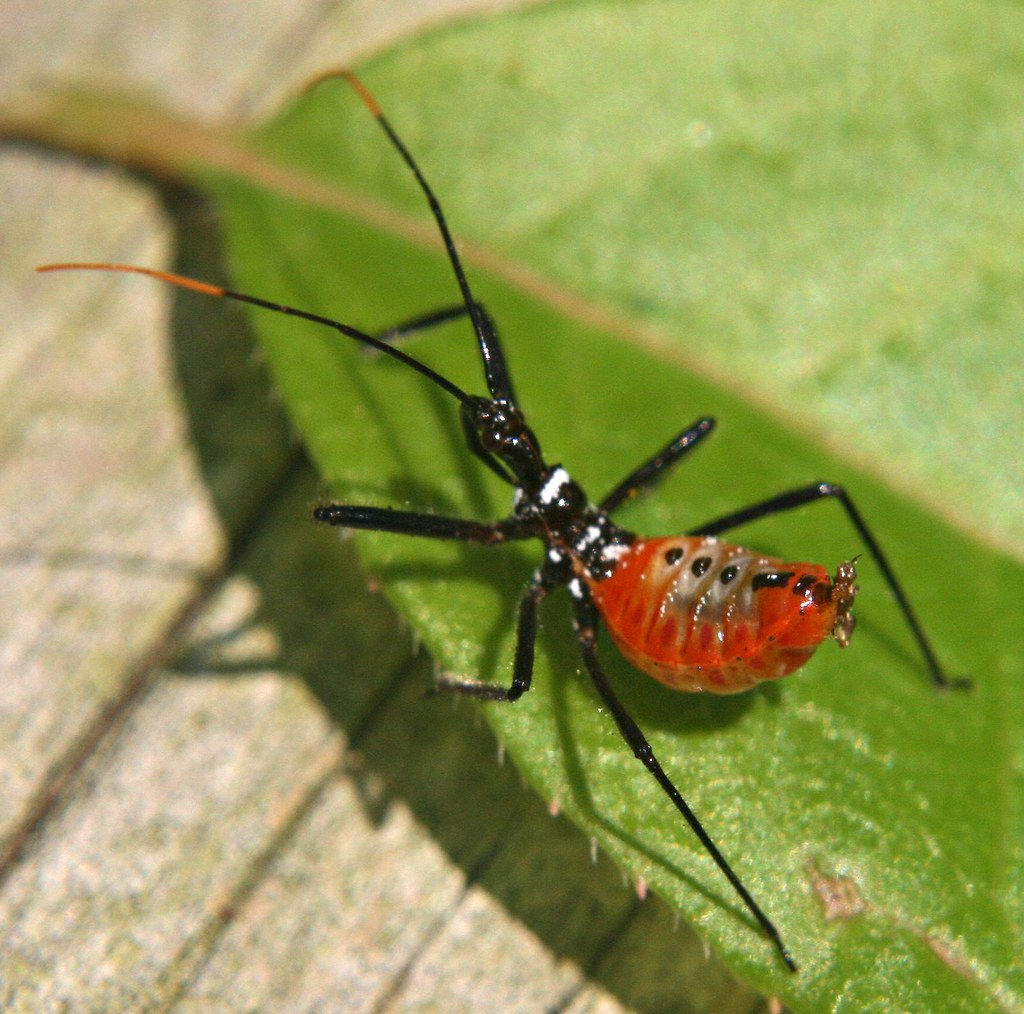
(587, 539)
(550, 490)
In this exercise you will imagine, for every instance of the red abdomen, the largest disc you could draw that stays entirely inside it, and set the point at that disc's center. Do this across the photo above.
(699, 614)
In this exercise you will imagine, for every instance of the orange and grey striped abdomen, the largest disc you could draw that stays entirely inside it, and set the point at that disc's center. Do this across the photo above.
(699, 614)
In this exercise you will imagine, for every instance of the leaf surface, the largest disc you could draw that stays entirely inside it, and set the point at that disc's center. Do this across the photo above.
(821, 209)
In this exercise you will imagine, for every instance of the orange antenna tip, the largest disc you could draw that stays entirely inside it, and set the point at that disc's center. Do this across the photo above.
(364, 93)
(325, 75)
(164, 276)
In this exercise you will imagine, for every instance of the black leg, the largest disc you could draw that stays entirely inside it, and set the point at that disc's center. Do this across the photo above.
(526, 640)
(424, 322)
(654, 469)
(431, 526)
(499, 383)
(586, 623)
(830, 490)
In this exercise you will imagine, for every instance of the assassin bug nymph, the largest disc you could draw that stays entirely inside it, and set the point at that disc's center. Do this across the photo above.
(694, 612)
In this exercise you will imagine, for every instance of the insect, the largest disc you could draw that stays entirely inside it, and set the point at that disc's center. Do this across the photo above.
(692, 611)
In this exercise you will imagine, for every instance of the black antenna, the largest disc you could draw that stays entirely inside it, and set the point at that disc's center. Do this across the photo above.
(216, 290)
(495, 370)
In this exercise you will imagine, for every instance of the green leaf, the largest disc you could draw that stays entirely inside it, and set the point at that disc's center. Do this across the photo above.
(819, 209)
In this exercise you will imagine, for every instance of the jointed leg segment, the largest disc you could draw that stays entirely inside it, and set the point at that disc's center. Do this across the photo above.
(586, 629)
(431, 526)
(427, 321)
(653, 470)
(526, 641)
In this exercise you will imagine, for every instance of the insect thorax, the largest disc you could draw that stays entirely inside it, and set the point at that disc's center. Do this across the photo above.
(577, 533)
